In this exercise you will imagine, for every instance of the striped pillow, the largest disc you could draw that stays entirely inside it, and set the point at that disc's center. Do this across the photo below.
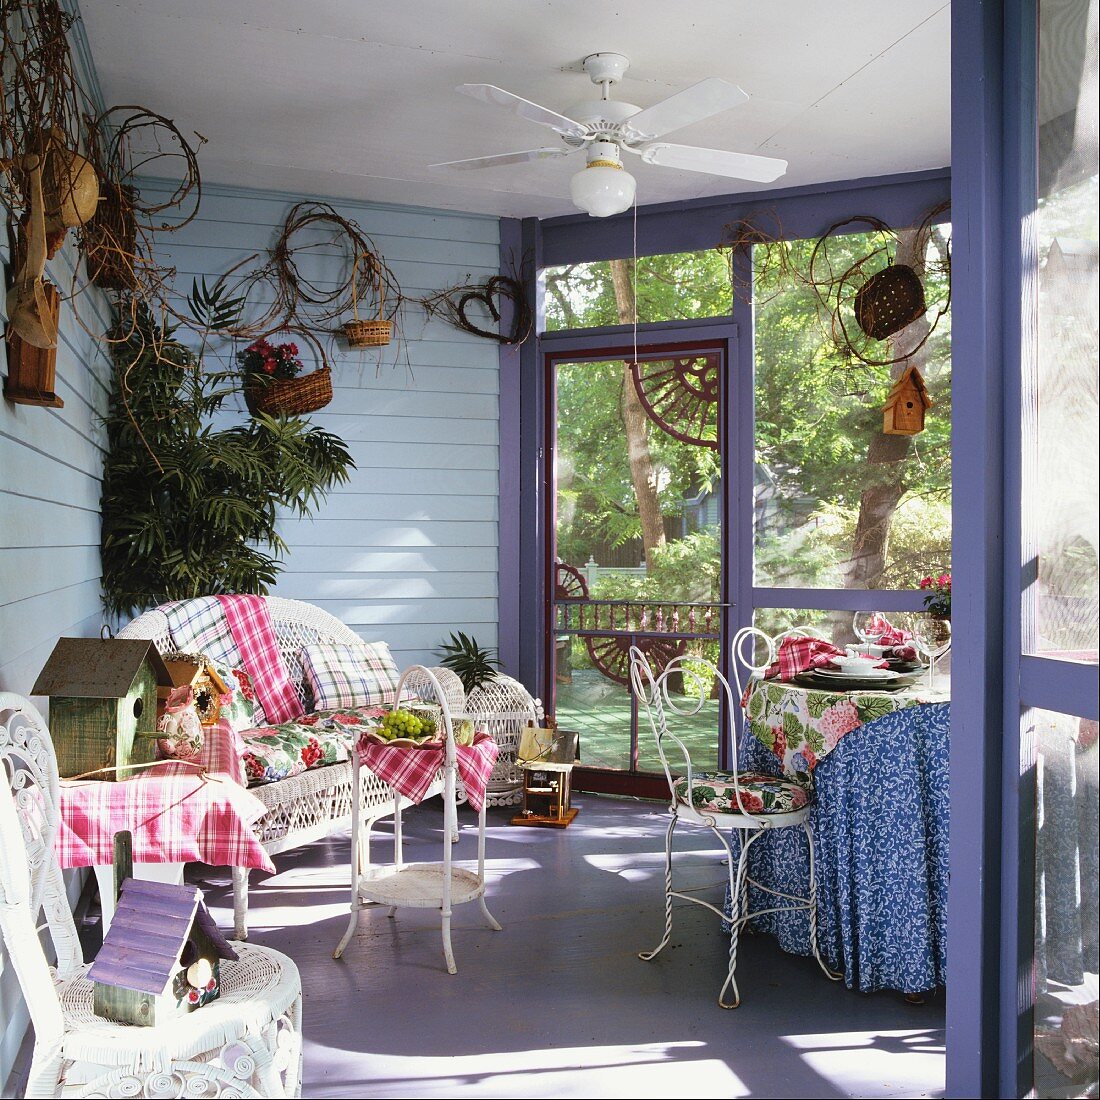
(342, 676)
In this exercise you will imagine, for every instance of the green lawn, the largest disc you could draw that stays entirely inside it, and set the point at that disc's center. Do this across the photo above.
(600, 710)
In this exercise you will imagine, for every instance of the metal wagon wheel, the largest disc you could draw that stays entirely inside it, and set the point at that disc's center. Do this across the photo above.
(681, 396)
(611, 655)
(569, 582)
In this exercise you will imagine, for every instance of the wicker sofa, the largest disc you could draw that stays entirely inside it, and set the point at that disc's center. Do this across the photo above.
(304, 807)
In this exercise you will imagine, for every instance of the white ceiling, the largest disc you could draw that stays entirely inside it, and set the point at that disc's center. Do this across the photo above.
(354, 98)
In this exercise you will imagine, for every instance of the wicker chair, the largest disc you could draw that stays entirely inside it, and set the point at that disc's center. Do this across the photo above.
(246, 1043)
(505, 708)
(302, 808)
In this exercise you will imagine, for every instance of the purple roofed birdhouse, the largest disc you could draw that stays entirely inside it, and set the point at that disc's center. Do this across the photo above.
(161, 956)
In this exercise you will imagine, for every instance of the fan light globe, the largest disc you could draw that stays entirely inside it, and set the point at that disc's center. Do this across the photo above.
(602, 187)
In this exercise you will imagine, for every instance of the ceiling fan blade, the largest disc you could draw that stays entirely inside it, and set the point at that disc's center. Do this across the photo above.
(701, 100)
(504, 158)
(718, 162)
(490, 93)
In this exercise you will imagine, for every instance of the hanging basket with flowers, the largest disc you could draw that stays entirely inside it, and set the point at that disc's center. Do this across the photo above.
(274, 384)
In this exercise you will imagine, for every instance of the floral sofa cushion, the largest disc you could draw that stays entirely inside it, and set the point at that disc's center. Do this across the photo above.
(271, 753)
(713, 792)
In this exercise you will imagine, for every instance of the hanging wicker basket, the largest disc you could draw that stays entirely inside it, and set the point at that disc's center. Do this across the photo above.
(376, 333)
(890, 299)
(288, 396)
(110, 239)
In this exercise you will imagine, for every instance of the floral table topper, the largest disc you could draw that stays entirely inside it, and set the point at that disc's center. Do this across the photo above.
(801, 725)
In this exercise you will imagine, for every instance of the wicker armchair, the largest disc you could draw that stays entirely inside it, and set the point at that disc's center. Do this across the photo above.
(247, 1043)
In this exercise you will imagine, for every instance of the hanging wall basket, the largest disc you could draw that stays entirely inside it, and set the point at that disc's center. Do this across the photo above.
(289, 396)
(375, 333)
(890, 299)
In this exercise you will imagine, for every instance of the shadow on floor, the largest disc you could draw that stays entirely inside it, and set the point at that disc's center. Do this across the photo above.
(558, 1004)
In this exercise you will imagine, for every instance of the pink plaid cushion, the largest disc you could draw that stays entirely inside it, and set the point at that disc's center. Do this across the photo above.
(254, 636)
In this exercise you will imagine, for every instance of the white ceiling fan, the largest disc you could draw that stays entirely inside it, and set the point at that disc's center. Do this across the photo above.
(605, 128)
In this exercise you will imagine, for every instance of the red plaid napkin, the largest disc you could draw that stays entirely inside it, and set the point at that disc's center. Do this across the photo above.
(413, 771)
(900, 642)
(801, 654)
(254, 635)
(176, 813)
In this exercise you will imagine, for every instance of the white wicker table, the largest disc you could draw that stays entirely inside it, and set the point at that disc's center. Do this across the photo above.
(420, 885)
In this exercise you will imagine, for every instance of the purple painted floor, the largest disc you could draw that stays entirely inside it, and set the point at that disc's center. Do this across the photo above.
(558, 1004)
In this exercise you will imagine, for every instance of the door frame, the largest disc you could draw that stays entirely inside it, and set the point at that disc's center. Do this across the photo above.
(617, 342)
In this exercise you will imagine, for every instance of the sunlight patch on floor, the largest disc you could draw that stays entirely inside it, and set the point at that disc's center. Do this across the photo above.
(647, 1069)
(880, 1063)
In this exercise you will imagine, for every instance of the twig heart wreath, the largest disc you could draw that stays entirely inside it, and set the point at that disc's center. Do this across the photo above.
(455, 302)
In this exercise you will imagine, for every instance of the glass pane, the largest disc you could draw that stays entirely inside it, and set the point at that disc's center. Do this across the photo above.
(638, 499)
(677, 285)
(1066, 902)
(1062, 509)
(596, 707)
(838, 502)
(694, 695)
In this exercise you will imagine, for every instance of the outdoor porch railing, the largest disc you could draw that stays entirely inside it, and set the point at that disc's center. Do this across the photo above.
(618, 617)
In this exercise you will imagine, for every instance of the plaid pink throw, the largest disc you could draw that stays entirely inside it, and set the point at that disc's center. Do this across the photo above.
(412, 771)
(176, 813)
(254, 636)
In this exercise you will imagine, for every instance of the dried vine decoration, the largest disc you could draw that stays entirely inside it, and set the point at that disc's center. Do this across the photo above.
(875, 297)
(757, 255)
(363, 276)
(455, 302)
(119, 243)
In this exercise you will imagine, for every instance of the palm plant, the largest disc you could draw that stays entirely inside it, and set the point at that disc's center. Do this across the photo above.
(190, 508)
(473, 665)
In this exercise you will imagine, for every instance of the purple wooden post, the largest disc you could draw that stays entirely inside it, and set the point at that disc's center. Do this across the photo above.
(978, 720)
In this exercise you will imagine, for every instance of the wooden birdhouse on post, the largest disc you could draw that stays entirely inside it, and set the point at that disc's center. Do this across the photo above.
(903, 413)
(547, 757)
(196, 672)
(103, 704)
(161, 957)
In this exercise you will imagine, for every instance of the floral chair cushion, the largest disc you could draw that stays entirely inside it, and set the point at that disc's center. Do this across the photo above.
(347, 676)
(713, 792)
(272, 753)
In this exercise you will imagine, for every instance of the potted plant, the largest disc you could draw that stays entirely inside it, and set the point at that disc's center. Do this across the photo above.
(937, 595)
(473, 665)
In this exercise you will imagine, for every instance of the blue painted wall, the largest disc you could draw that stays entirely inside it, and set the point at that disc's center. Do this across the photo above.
(51, 463)
(408, 550)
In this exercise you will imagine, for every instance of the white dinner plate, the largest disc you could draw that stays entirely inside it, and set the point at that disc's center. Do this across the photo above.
(884, 674)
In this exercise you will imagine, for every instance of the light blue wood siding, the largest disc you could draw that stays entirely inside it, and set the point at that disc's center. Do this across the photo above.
(407, 551)
(51, 463)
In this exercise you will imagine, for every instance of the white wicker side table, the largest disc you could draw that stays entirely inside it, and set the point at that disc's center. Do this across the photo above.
(420, 885)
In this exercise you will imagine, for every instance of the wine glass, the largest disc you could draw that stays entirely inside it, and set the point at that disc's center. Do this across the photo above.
(869, 626)
(932, 639)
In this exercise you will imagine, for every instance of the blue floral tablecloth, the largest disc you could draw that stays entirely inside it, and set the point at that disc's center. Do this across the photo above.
(880, 823)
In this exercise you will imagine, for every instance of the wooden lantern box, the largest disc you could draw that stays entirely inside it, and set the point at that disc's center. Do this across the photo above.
(546, 757)
(103, 704)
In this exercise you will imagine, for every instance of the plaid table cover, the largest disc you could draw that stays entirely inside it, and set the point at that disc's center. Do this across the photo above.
(177, 814)
(412, 771)
(254, 636)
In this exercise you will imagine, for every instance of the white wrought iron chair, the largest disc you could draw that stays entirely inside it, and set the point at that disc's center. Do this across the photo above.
(246, 1043)
(721, 802)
